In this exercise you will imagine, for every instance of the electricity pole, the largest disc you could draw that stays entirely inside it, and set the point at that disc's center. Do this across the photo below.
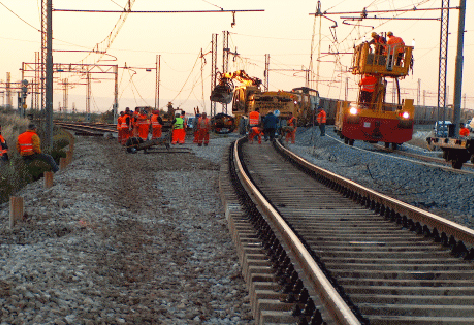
(459, 66)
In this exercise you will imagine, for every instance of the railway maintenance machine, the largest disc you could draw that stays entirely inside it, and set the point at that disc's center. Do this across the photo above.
(457, 150)
(371, 118)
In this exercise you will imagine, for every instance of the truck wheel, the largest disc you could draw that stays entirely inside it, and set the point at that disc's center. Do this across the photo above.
(394, 146)
(351, 142)
(387, 145)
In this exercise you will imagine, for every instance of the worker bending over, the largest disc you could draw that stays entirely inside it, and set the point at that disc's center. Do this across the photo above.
(28, 145)
(203, 128)
(156, 125)
(255, 132)
(179, 133)
(3, 147)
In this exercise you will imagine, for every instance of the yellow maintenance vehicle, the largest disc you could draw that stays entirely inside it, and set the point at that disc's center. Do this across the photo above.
(248, 97)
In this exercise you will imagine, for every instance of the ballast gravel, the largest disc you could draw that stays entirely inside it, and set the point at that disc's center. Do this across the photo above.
(142, 239)
(124, 239)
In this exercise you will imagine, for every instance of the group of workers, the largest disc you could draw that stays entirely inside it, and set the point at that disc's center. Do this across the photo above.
(138, 124)
(268, 126)
(394, 47)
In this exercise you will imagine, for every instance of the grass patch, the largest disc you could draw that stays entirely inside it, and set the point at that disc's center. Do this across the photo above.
(16, 173)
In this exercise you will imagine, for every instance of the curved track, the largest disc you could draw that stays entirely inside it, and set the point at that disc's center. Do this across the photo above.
(368, 258)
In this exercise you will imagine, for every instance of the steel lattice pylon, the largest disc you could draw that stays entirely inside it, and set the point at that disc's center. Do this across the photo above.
(443, 58)
(43, 53)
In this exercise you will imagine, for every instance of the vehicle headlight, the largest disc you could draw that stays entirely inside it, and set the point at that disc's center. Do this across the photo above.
(353, 110)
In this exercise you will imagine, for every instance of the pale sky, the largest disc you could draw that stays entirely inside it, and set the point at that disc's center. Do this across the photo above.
(284, 30)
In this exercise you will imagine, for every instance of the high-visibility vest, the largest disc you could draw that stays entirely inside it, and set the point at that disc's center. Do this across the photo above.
(179, 123)
(26, 143)
(204, 123)
(321, 117)
(368, 83)
(141, 120)
(119, 123)
(2, 151)
(395, 42)
(254, 117)
(124, 122)
(464, 132)
(154, 121)
(292, 122)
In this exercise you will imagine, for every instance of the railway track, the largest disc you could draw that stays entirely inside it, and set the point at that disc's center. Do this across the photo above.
(432, 162)
(87, 129)
(362, 257)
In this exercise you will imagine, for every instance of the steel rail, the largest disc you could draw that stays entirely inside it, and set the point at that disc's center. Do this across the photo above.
(331, 298)
(423, 217)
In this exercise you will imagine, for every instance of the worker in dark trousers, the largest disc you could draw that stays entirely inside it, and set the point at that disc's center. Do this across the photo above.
(28, 145)
(270, 123)
(321, 119)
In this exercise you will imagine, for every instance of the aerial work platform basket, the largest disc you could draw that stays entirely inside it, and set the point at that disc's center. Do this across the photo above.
(387, 60)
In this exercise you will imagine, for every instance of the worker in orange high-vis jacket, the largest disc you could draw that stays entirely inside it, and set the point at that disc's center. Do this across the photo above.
(143, 126)
(178, 132)
(254, 118)
(255, 131)
(396, 48)
(3, 147)
(156, 125)
(203, 129)
(133, 120)
(367, 86)
(321, 119)
(126, 126)
(28, 145)
(291, 130)
(119, 126)
(463, 130)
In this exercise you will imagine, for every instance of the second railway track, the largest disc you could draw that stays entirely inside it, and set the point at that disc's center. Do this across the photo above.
(390, 262)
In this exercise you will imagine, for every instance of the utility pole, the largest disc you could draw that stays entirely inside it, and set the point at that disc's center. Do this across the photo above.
(157, 82)
(214, 72)
(459, 66)
(418, 92)
(49, 77)
(265, 73)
